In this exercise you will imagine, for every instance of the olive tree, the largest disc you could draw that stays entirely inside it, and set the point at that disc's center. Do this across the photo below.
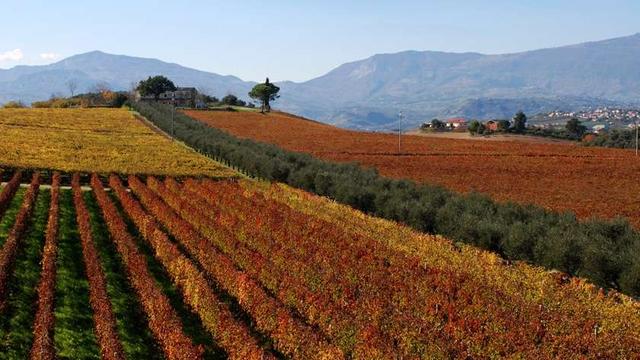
(155, 86)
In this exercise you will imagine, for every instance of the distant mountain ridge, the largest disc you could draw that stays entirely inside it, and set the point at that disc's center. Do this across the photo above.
(369, 93)
(30, 83)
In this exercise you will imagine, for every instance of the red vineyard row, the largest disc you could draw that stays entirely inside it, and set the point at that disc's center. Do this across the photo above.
(43, 345)
(290, 335)
(104, 319)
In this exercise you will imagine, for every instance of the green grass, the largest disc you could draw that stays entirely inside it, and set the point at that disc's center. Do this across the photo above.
(137, 340)
(9, 217)
(74, 336)
(191, 323)
(16, 323)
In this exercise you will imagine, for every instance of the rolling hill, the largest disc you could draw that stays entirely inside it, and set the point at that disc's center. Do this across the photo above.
(31, 83)
(562, 177)
(229, 267)
(367, 94)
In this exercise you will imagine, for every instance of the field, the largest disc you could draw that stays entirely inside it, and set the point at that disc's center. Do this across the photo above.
(94, 140)
(247, 270)
(120, 261)
(592, 182)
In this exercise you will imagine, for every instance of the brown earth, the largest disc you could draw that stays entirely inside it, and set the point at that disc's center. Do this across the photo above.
(592, 182)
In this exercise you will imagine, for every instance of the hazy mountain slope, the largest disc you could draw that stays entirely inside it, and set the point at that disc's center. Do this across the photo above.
(369, 93)
(425, 84)
(29, 83)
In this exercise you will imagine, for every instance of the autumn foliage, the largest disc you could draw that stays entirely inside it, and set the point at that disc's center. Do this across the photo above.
(9, 191)
(588, 181)
(291, 336)
(322, 303)
(231, 334)
(104, 319)
(43, 344)
(95, 140)
(10, 247)
(271, 271)
(164, 322)
(598, 249)
(424, 309)
(372, 299)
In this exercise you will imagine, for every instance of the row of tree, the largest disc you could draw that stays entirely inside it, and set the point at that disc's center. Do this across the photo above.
(622, 139)
(102, 99)
(517, 125)
(573, 130)
(603, 251)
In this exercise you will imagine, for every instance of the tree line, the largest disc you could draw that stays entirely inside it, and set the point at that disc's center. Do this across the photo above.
(617, 138)
(573, 129)
(602, 251)
(265, 93)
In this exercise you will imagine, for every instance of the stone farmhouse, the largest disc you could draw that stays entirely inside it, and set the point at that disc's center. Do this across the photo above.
(185, 97)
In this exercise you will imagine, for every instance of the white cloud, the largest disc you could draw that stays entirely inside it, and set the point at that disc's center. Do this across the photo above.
(49, 56)
(12, 55)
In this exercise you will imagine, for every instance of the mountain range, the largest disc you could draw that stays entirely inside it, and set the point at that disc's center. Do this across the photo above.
(368, 94)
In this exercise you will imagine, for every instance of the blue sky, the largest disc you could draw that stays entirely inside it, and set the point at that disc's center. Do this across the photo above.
(298, 40)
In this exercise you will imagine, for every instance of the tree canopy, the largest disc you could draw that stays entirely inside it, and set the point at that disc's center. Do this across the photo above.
(437, 124)
(473, 126)
(14, 105)
(519, 122)
(265, 93)
(233, 100)
(575, 127)
(503, 125)
(155, 86)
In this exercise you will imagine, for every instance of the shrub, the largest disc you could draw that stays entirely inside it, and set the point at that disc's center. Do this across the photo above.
(58, 103)
(624, 139)
(14, 105)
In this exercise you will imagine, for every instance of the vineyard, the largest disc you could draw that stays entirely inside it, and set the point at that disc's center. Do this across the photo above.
(592, 182)
(100, 140)
(127, 266)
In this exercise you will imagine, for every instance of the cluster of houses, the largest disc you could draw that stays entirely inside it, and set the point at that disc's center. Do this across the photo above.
(184, 97)
(598, 114)
(456, 123)
(462, 124)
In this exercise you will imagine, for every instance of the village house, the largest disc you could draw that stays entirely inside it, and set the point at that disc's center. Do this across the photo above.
(186, 97)
(492, 125)
(456, 123)
(599, 128)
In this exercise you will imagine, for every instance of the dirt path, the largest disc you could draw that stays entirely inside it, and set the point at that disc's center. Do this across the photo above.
(45, 186)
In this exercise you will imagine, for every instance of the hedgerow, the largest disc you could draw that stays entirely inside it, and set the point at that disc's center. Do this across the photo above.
(601, 251)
